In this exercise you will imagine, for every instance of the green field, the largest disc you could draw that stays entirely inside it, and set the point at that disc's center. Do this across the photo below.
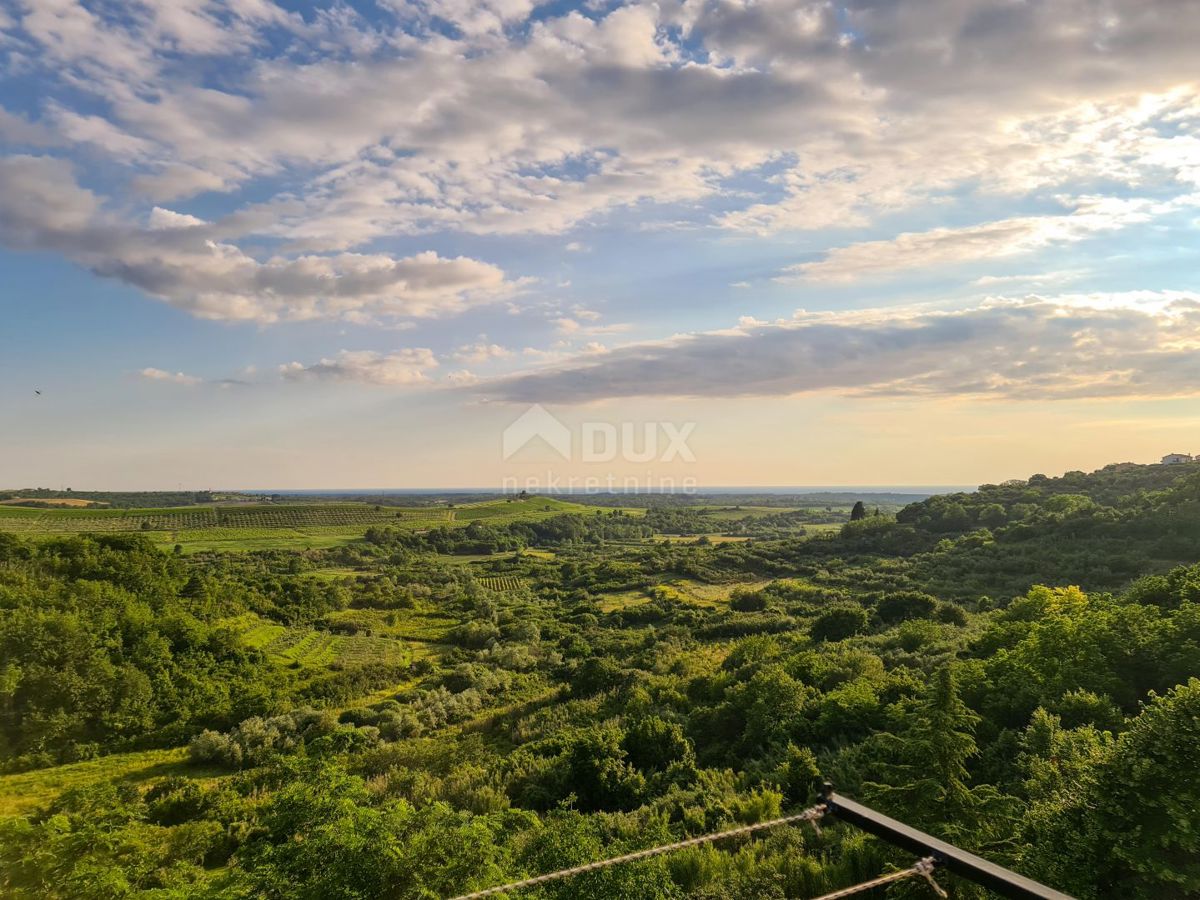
(272, 526)
(241, 516)
(313, 648)
(26, 791)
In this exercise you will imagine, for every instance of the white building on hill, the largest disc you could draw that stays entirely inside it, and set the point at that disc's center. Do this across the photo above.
(1174, 459)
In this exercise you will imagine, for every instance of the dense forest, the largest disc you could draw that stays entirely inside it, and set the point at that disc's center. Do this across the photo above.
(1016, 670)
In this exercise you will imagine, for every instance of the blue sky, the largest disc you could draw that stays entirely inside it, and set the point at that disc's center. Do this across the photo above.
(299, 245)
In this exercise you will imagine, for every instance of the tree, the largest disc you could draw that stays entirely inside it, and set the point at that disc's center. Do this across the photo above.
(926, 781)
(858, 511)
(654, 745)
(1124, 826)
(992, 515)
(742, 600)
(324, 838)
(904, 605)
(599, 772)
(838, 623)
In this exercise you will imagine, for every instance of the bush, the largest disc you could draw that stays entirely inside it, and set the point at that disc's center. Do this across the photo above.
(951, 614)
(839, 623)
(747, 601)
(905, 605)
(596, 674)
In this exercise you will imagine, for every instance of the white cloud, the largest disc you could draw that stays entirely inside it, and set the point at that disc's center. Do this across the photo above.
(346, 128)
(574, 324)
(151, 374)
(181, 261)
(1031, 279)
(173, 180)
(101, 133)
(1073, 346)
(403, 367)
(566, 325)
(942, 247)
(161, 219)
(20, 132)
(522, 123)
(481, 352)
(461, 378)
(474, 17)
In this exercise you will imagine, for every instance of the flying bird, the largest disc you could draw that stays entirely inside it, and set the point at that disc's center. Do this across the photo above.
(39, 393)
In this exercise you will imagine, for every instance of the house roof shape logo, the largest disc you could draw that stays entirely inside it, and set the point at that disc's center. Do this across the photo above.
(535, 423)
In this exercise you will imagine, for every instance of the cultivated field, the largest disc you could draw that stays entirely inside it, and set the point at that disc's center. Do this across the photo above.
(271, 526)
(501, 582)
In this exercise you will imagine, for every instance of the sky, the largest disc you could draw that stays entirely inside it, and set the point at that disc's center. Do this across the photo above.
(250, 244)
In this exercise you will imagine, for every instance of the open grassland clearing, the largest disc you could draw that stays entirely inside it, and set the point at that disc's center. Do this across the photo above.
(734, 513)
(311, 647)
(622, 600)
(697, 593)
(335, 573)
(682, 590)
(715, 594)
(425, 626)
(25, 792)
(814, 528)
(256, 633)
(533, 508)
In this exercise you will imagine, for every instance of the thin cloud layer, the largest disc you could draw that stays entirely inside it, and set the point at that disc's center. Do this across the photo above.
(1036, 348)
(181, 259)
(948, 247)
(404, 367)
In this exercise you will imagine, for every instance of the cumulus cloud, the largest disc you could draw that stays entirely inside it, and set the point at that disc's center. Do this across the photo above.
(330, 131)
(462, 378)
(517, 118)
(481, 352)
(1070, 346)
(403, 367)
(182, 260)
(152, 374)
(567, 325)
